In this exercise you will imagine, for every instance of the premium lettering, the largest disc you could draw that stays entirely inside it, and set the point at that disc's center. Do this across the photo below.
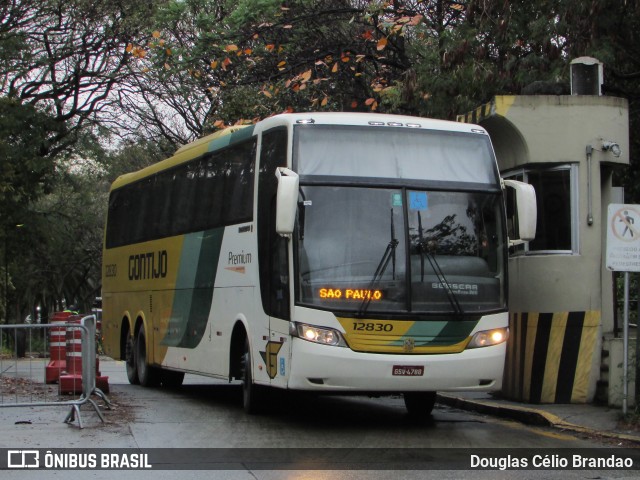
(148, 266)
(239, 258)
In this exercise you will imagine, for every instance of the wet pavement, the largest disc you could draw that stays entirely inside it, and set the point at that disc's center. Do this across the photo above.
(206, 415)
(586, 419)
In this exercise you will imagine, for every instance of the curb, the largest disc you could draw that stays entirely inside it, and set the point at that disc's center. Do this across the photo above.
(528, 416)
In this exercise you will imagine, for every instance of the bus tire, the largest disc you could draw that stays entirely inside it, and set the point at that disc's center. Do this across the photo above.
(147, 375)
(419, 404)
(130, 361)
(252, 395)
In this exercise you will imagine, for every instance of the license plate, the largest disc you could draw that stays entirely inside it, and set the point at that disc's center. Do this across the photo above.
(408, 371)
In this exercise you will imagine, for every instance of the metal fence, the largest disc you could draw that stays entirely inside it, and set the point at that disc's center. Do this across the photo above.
(32, 374)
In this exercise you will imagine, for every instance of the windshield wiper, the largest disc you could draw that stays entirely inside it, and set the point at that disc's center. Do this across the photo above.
(451, 296)
(382, 267)
(389, 254)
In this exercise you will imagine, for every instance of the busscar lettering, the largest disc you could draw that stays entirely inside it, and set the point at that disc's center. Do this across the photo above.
(148, 266)
(457, 288)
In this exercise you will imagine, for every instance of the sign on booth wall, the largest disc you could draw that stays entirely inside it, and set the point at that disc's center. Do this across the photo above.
(623, 238)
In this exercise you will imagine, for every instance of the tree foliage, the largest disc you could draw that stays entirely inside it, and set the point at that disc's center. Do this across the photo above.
(60, 62)
(252, 58)
(65, 57)
(25, 170)
(62, 236)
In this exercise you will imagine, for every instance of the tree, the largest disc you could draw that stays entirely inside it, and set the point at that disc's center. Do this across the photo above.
(252, 58)
(65, 57)
(163, 103)
(24, 174)
(210, 63)
(56, 253)
(160, 73)
(24, 171)
(608, 30)
(60, 61)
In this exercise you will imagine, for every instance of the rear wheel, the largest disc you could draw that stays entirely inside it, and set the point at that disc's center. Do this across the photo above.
(147, 375)
(420, 404)
(130, 361)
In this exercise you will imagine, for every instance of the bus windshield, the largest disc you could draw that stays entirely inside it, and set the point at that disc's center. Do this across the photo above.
(381, 250)
(398, 219)
(372, 250)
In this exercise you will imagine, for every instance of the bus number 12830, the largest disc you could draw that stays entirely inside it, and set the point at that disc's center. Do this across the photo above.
(372, 327)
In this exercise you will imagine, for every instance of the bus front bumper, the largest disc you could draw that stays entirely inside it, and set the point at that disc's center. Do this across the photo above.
(340, 369)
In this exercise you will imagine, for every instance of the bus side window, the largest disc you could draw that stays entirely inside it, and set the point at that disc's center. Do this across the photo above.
(272, 248)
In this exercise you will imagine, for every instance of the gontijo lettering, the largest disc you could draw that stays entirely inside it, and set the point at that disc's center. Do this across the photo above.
(148, 266)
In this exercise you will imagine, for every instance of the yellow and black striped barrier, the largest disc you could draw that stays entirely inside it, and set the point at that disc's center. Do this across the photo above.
(549, 356)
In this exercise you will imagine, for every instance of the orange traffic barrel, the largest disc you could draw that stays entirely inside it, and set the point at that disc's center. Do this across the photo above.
(71, 381)
(57, 346)
(74, 346)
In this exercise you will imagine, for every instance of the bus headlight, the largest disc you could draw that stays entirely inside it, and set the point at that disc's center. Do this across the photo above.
(487, 338)
(322, 335)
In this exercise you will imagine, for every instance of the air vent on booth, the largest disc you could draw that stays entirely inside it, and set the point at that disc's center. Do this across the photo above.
(586, 76)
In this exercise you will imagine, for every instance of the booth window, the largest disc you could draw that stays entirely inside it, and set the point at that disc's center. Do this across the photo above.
(556, 196)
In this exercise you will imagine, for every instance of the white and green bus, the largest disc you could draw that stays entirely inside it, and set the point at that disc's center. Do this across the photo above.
(327, 252)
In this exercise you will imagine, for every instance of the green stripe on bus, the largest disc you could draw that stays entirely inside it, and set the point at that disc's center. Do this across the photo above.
(454, 332)
(235, 137)
(436, 333)
(194, 288)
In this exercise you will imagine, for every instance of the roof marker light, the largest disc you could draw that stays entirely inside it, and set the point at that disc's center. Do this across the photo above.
(477, 130)
(306, 121)
(414, 125)
(394, 124)
(376, 124)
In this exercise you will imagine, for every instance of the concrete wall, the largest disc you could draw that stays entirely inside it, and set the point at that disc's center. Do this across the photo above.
(561, 304)
(556, 128)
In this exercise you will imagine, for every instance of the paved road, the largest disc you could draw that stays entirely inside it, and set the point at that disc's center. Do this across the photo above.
(207, 414)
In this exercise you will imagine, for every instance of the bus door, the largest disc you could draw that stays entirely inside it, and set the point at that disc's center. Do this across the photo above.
(273, 254)
(279, 345)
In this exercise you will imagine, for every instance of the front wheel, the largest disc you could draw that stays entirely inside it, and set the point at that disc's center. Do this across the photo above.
(420, 404)
(252, 394)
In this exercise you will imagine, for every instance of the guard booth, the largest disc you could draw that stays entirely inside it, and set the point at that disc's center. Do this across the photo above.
(561, 294)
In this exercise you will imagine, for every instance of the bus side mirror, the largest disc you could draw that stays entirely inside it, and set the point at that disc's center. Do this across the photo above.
(286, 200)
(526, 211)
